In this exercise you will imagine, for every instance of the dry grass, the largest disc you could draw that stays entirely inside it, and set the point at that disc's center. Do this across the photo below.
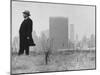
(67, 60)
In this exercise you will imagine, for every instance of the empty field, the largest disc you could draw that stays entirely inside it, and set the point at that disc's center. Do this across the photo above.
(58, 61)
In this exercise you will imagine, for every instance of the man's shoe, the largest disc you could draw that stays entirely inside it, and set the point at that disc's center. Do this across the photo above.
(19, 54)
(34, 44)
(27, 54)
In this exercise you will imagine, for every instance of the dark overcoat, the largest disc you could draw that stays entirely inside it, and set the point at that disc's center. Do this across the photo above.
(25, 32)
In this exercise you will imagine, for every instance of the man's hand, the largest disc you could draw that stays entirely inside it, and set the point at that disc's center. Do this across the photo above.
(27, 37)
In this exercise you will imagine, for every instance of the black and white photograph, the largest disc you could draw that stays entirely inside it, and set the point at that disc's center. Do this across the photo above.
(52, 37)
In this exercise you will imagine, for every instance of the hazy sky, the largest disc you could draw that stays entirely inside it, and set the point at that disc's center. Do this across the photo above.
(83, 17)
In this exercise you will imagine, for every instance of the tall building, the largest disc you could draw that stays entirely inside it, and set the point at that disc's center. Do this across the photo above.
(59, 32)
(72, 34)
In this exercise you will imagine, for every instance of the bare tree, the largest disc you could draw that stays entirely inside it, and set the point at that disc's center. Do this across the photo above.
(46, 47)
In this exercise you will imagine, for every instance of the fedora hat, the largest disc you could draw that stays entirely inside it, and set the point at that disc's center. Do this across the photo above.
(26, 12)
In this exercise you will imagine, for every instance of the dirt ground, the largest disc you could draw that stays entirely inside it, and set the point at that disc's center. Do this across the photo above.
(66, 60)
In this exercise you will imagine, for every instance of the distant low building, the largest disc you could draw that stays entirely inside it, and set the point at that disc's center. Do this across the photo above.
(15, 44)
(92, 42)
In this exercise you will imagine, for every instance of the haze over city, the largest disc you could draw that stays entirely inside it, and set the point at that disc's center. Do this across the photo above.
(82, 17)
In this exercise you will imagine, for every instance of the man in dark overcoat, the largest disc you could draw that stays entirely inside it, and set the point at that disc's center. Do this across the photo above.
(25, 34)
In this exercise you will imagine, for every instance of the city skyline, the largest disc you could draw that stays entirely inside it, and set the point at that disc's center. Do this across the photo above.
(82, 17)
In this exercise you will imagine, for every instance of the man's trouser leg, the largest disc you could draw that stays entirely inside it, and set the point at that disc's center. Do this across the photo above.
(26, 47)
(27, 50)
(21, 50)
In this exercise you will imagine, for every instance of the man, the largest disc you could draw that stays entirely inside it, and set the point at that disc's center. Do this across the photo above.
(25, 34)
